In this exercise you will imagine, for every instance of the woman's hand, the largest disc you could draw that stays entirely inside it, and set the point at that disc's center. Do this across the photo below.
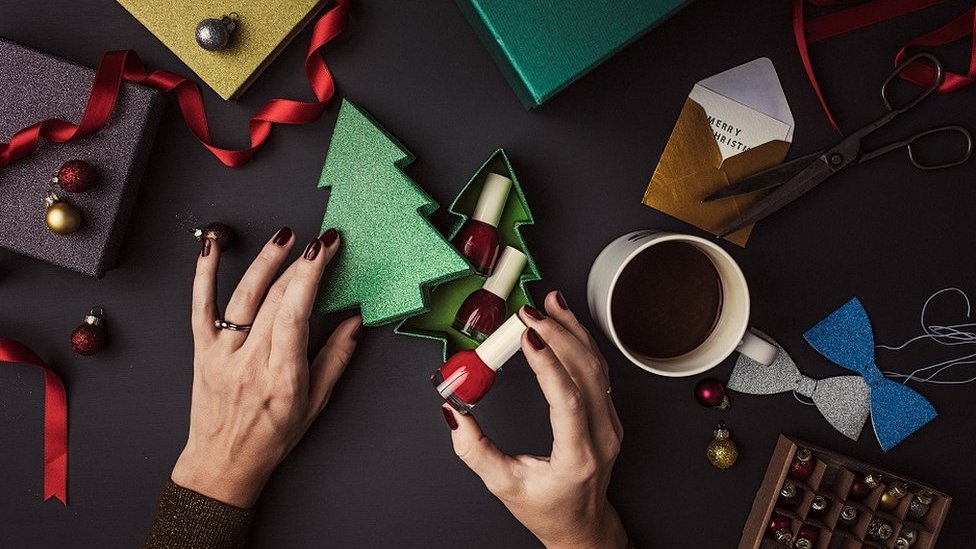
(254, 393)
(562, 499)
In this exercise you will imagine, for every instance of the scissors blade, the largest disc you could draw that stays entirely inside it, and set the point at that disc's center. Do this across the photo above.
(796, 187)
(766, 179)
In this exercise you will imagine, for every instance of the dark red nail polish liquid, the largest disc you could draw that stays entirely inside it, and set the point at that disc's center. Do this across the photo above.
(467, 376)
(485, 309)
(478, 238)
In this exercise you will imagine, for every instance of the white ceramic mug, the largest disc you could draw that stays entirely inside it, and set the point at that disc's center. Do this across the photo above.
(731, 329)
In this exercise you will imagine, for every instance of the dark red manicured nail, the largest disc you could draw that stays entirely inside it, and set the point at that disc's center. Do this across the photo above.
(205, 247)
(535, 340)
(329, 237)
(312, 250)
(358, 332)
(534, 313)
(449, 418)
(281, 237)
(561, 300)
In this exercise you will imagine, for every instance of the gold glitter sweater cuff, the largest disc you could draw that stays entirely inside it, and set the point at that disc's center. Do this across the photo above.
(186, 519)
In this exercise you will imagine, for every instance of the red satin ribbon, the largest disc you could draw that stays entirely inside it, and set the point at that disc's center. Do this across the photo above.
(55, 419)
(118, 66)
(957, 29)
(870, 13)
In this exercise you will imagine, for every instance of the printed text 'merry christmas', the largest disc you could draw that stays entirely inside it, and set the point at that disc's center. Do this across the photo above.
(727, 134)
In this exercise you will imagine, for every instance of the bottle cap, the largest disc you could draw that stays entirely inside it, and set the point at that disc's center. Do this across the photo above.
(924, 497)
(788, 491)
(898, 489)
(490, 204)
(819, 503)
(803, 455)
(502, 343)
(508, 268)
(873, 480)
(94, 316)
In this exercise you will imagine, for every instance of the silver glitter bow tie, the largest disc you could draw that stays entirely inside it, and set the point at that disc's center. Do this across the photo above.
(844, 401)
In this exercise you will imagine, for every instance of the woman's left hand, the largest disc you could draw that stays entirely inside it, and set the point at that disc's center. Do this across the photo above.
(254, 393)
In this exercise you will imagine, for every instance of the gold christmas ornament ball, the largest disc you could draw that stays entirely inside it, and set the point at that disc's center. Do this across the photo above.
(891, 496)
(61, 217)
(888, 501)
(722, 452)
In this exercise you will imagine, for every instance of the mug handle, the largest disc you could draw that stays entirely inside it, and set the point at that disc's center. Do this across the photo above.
(757, 348)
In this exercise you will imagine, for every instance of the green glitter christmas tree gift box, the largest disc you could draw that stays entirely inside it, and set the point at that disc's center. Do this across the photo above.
(542, 46)
(393, 264)
(390, 255)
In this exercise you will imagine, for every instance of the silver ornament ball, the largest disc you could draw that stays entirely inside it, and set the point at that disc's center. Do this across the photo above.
(214, 34)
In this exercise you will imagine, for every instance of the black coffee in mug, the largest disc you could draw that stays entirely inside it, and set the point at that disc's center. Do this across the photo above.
(667, 300)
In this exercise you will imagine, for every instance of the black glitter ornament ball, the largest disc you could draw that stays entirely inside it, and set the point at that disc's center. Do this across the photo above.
(214, 34)
(89, 338)
(220, 233)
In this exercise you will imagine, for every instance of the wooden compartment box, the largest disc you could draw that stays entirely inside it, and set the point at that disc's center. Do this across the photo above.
(833, 477)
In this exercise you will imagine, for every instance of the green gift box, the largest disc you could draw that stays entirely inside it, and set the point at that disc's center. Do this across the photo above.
(542, 46)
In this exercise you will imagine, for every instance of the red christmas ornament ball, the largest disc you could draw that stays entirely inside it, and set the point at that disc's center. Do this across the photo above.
(860, 490)
(809, 532)
(88, 339)
(75, 176)
(777, 523)
(803, 464)
(220, 233)
(710, 392)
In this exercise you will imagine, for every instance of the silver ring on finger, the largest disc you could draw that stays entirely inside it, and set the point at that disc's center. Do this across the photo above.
(222, 324)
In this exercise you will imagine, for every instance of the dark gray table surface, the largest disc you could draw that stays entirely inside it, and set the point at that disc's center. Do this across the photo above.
(377, 469)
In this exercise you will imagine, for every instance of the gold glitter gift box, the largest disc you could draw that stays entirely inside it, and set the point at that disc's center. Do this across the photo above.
(264, 28)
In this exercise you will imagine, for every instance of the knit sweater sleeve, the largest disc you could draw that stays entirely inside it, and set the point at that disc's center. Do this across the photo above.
(186, 519)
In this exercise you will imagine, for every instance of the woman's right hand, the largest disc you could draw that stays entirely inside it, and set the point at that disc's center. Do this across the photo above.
(562, 498)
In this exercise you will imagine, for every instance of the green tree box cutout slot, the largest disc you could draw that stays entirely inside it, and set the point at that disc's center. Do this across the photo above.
(390, 255)
(446, 298)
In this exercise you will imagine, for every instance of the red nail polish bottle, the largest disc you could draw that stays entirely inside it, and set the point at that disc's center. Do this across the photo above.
(467, 376)
(478, 238)
(484, 310)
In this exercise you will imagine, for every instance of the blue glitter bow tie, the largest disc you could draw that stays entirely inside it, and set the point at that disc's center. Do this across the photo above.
(844, 401)
(846, 338)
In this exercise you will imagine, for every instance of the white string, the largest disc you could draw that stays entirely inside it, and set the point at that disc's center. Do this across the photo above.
(951, 335)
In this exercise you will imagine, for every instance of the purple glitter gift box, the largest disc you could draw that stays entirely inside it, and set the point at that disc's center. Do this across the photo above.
(35, 86)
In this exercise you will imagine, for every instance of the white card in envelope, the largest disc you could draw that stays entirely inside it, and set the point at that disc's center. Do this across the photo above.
(746, 107)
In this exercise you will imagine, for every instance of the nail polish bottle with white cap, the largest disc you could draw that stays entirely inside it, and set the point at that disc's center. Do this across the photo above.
(478, 238)
(467, 376)
(485, 309)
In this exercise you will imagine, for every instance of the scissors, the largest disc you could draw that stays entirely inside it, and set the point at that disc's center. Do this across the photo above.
(797, 177)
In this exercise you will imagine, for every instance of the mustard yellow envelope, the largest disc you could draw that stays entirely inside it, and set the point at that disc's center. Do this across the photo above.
(748, 104)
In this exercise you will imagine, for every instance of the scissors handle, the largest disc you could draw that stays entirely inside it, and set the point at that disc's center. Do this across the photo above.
(908, 142)
(938, 73)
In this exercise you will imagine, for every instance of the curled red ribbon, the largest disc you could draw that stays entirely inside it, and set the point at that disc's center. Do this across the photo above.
(55, 419)
(867, 14)
(118, 66)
